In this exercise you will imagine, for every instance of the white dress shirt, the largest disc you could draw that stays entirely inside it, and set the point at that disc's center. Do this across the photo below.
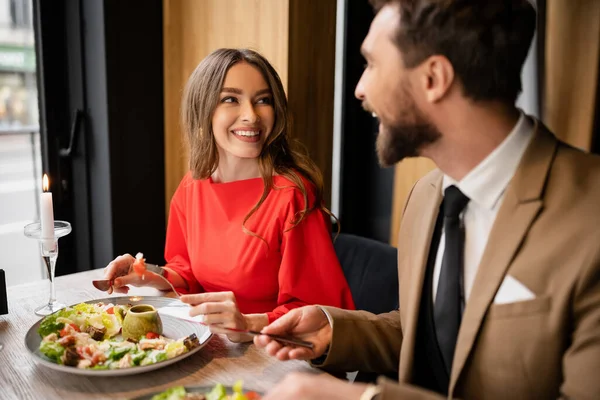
(484, 185)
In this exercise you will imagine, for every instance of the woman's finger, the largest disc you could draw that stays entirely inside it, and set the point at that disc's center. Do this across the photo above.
(207, 297)
(131, 279)
(110, 271)
(210, 308)
(122, 289)
(225, 318)
(119, 266)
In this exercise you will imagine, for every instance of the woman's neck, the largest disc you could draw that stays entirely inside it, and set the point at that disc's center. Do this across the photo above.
(233, 169)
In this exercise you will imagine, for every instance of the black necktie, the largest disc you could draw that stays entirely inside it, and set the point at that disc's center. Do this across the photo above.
(448, 305)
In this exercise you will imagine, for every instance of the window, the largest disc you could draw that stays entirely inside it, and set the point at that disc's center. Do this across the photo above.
(20, 156)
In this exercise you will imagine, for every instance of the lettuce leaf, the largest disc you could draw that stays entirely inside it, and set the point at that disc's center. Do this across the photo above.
(111, 323)
(50, 325)
(217, 393)
(137, 358)
(116, 353)
(52, 350)
(174, 349)
(119, 312)
(153, 357)
(174, 393)
(238, 387)
(238, 392)
(86, 308)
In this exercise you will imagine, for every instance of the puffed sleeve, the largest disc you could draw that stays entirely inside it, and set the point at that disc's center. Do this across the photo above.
(310, 272)
(176, 247)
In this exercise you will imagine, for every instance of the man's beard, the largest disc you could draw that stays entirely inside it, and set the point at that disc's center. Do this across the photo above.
(406, 137)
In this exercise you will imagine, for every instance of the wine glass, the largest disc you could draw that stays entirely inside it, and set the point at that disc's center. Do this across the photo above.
(49, 251)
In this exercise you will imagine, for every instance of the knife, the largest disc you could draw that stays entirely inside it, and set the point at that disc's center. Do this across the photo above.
(278, 338)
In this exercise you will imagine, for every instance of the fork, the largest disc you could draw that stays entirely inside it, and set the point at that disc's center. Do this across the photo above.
(161, 277)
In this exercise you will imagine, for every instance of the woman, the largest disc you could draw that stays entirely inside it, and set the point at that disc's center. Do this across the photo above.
(248, 237)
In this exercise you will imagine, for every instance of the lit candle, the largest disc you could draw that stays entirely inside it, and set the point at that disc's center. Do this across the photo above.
(47, 215)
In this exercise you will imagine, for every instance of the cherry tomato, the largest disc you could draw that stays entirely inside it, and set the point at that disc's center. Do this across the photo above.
(152, 335)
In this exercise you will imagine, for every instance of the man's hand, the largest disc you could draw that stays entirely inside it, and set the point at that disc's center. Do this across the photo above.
(308, 323)
(308, 386)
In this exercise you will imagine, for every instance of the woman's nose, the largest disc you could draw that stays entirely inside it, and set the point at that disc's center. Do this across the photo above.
(249, 114)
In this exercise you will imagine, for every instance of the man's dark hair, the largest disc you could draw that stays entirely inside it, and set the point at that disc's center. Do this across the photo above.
(485, 40)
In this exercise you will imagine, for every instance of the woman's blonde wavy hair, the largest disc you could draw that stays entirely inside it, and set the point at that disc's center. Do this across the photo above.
(280, 155)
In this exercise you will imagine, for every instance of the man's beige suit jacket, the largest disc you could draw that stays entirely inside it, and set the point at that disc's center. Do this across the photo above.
(547, 237)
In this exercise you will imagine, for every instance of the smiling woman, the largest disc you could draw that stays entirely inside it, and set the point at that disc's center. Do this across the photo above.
(248, 237)
(243, 119)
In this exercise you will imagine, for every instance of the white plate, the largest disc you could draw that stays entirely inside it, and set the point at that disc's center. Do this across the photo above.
(173, 328)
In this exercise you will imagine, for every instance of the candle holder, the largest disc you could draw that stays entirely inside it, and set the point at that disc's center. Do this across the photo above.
(49, 252)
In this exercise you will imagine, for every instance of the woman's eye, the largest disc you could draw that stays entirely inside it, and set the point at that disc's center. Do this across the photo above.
(228, 99)
(265, 100)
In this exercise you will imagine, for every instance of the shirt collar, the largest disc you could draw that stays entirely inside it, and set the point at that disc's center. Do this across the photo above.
(486, 183)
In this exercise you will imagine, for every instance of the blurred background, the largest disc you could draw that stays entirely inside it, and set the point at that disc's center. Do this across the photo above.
(90, 93)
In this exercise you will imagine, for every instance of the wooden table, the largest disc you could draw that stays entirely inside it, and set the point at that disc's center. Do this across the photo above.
(22, 378)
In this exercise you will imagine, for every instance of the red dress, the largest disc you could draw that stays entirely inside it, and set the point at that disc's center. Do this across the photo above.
(208, 248)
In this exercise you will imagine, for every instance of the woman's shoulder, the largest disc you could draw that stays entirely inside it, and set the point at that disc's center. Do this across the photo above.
(290, 191)
(288, 184)
(188, 185)
(185, 183)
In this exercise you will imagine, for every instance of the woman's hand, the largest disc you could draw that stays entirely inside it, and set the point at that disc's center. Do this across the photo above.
(220, 310)
(120, 273)
(128, 270)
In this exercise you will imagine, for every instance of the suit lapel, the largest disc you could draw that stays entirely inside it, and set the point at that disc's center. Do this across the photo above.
(522, 203)
(423, 227)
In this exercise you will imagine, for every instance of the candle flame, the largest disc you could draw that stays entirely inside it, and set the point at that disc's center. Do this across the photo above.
(45, 184)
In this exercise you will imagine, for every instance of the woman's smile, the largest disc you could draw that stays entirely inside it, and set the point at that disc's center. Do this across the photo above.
(247, 135)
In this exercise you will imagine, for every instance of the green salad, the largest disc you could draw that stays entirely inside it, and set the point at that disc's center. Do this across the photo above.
(89, 336)
(217, 393)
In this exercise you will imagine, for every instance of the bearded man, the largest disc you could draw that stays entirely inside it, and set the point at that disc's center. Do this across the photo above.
(499, 248)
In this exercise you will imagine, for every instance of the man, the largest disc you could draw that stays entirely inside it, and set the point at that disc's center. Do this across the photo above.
(499, 249)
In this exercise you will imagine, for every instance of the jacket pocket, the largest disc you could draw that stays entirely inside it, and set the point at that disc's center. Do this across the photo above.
(520, 308)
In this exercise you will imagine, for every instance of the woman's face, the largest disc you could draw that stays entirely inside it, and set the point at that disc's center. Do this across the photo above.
(244, 116)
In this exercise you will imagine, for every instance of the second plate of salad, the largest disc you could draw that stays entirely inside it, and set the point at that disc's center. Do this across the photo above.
(217, 392)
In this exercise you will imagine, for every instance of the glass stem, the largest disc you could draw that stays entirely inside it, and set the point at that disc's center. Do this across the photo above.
(49, 255)
(51, 266)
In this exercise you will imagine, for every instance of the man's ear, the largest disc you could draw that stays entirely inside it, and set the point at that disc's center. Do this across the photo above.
(437, 76)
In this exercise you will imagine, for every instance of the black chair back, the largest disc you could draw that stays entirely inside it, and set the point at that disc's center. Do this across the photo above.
(371, 269)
